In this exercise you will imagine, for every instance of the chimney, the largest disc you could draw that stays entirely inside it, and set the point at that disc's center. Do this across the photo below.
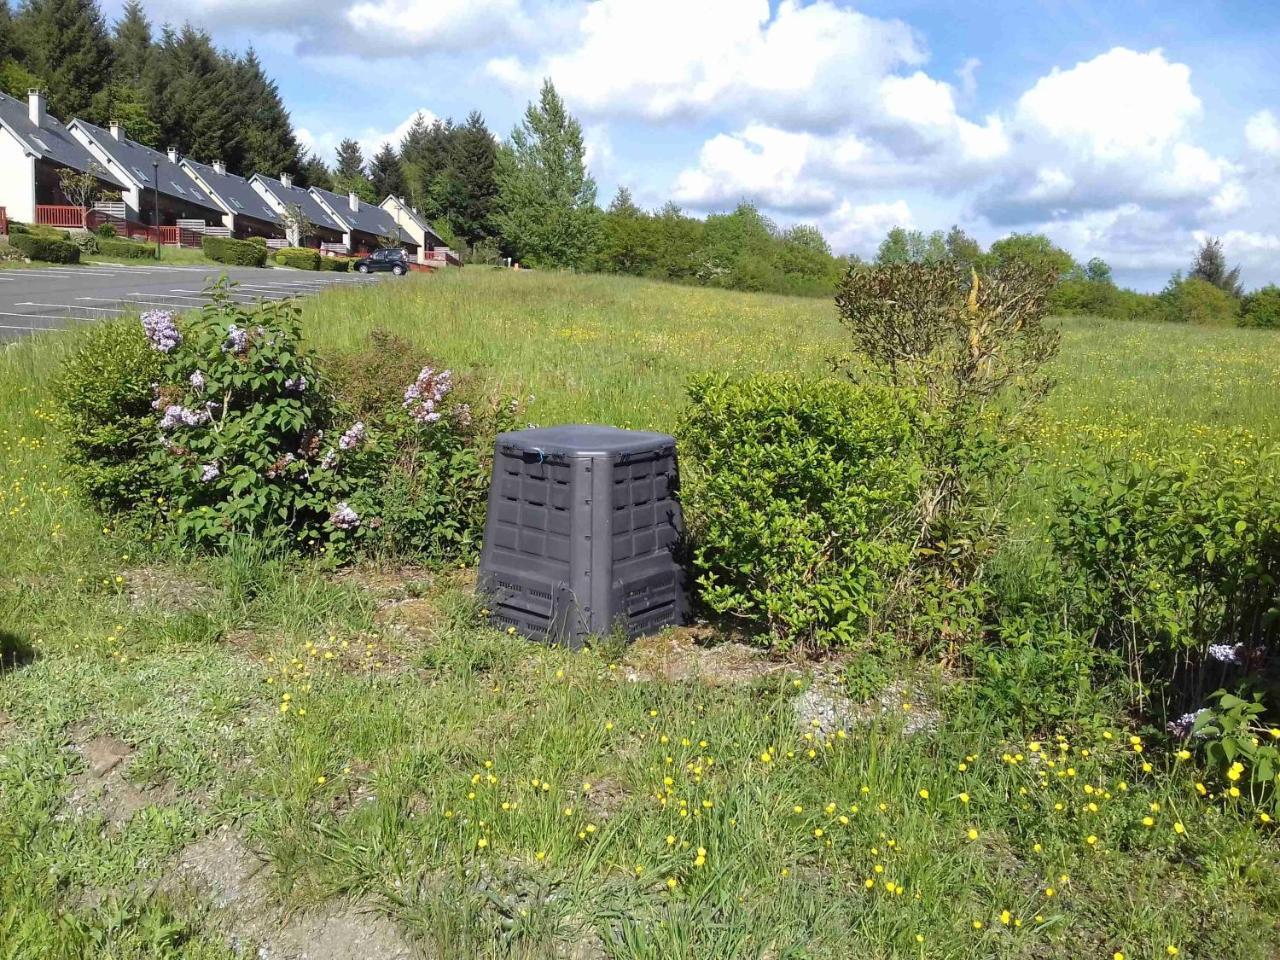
(286, 179)
(219, 168)
(353, 201)
(35, 107)
(173, 154)
(117, 130)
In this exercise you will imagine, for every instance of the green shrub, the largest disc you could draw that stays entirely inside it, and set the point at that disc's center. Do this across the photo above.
(1261, 308)
(103, 404)
(1189, 300)
(127, 249)
(1173, 564)
(106, 231)
(799, 494)
(336, 264)
(225, 426)
(10, 254)
(1079, 297)
(302, 258)
(237, 252)
(258, 241)
(47, 248)
(86, 242)
(1034, 674)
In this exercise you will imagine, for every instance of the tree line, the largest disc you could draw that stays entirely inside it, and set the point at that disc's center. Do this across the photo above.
(531, 197)
(169, 87)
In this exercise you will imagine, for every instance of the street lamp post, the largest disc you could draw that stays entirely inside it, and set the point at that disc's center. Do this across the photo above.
(155, 201)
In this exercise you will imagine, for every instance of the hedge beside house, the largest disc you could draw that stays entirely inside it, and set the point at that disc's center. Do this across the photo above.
(49, 249)
(302, 258)
(126, 249)
(238, 253)
(335, 264)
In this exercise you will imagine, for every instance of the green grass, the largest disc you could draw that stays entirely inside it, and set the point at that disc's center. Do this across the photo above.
(402, 705)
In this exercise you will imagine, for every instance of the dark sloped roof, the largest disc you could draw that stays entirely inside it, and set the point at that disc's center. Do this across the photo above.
(420, 220)
(235, 192)
(137, 159)
(52, 141)
(300, 196)
(369, 218)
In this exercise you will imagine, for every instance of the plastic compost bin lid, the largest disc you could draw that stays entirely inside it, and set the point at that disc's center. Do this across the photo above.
(583, 441)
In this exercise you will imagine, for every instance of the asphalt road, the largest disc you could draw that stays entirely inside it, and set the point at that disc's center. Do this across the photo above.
(59, 298)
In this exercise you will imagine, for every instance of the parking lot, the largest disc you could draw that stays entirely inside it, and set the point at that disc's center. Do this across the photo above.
(59, 298)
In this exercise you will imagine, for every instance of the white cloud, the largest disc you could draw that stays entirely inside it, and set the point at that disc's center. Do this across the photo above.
(1262, 133)
(418, 26)
(810, 64)
(761, 164)
(860, 228)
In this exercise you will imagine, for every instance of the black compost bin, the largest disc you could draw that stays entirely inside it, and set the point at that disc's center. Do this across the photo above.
(581, 534)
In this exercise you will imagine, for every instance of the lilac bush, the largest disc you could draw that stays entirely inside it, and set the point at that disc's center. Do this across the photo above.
(161, 330)
(425, 395)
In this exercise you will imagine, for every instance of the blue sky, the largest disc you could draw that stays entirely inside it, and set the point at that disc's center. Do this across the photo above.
(1126, 130)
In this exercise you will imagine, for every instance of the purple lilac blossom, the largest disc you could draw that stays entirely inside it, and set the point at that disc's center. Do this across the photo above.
(237, 340)
(330, 460)
(209, 471)
(197, 382)
(175, 416)
(296, 384)
(1226, 652)
(424, 396)
(160, 329)
(1183, 725)
(353, 438)
(344, 518)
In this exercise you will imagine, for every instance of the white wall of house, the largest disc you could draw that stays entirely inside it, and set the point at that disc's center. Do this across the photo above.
(407, 223)
(228, 218)
(131, 194)
(337, 218)
(17, 180)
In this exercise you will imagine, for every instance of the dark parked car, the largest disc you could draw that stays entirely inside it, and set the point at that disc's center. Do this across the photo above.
(397, 261)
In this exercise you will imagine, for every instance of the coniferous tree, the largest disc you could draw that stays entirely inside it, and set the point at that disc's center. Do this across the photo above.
(386, 174)
(269, 145)
(131, 44)
(546, 198)
(65, 44)
(471, 183)
(313, 172)
(349, 175)
(6, 31)
(1210, 266)
(193, 87)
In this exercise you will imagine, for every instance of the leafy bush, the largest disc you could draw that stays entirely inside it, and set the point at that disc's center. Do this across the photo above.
(10, 254)
(974, 349)
(335, 264)
(1033, 673)
(257, 241)
(301, 258)
(1173, 564)
(799, 494)
(1190, 300)
(47, 248)
(225, 426)
(106, 231)
(87, 242)
(127, 249)
(103, 398)
(1079, 297)
(1261, 308)
(240, 253)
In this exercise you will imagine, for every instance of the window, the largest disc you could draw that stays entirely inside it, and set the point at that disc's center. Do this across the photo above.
(141, 176)
(177, 186)
(237, 204)
(43, 146)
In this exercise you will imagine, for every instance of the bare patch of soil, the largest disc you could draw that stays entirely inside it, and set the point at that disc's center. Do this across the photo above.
(221, 872)
(103, 789)
(163, 589)
(824, 707)
(696, 653)
(606, 797)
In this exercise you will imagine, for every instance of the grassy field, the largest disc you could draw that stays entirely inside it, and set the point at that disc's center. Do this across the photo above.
(195, 751)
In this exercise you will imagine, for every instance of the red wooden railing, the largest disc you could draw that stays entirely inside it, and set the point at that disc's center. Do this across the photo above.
(59, 216)
(4, 222)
